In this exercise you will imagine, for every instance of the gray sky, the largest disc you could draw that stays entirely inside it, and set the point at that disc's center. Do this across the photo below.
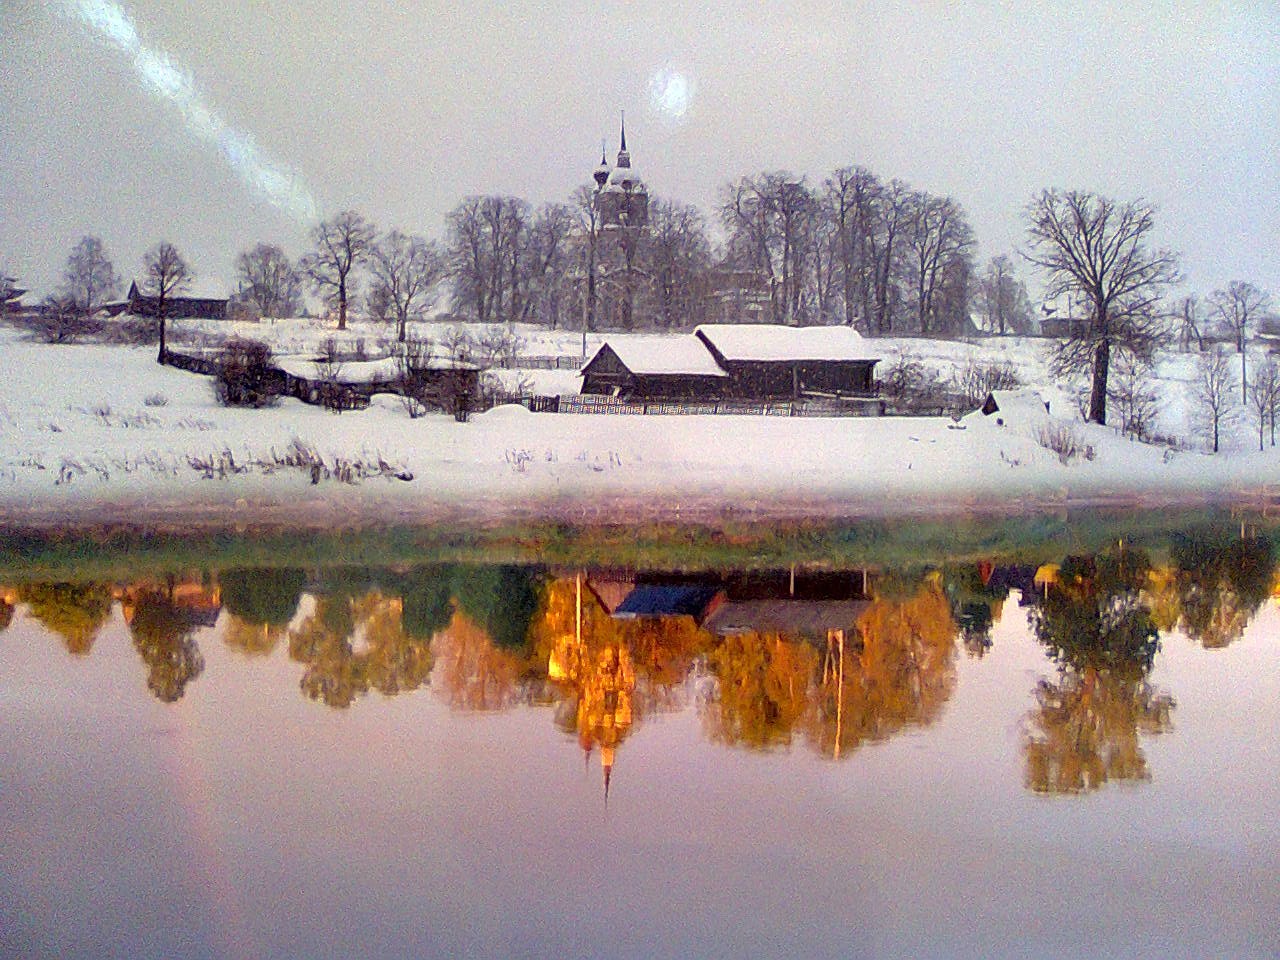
(399, 109)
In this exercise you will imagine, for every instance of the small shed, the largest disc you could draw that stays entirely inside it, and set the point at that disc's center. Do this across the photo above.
(770, 361)
(669, 368)
(1015, 406)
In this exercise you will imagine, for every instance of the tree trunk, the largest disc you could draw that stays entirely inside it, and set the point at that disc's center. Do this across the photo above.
(1098, 394)
(1244, 381)
(342, 304)
(160, 309)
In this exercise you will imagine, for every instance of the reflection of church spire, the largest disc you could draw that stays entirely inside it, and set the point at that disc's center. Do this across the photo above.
(606, 764)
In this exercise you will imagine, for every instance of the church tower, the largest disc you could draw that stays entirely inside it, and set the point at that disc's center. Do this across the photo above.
(623, 200)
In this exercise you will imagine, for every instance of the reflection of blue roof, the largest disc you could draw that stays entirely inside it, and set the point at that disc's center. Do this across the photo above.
(667, 600)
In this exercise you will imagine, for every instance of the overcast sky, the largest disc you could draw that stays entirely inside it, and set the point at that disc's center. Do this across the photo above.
(217, 125)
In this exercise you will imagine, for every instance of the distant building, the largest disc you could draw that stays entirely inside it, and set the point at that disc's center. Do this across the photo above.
(205, 301)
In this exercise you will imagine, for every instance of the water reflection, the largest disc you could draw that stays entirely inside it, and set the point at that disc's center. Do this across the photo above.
(1095, 621)
(827, 660)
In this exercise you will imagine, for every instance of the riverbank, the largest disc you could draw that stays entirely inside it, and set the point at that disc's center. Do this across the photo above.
(98, 437)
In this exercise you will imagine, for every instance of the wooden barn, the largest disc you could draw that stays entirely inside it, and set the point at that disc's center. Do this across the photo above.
(767, 361)
(664, 368)
(203, 302)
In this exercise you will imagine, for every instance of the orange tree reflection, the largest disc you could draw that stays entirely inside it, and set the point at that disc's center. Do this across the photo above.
(75, 612)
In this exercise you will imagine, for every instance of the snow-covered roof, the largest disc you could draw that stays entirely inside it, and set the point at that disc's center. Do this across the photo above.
(1022, 406)
(201, 288)
(773, 341)
(364, 371)
(618, 175)
(669, 356)
(355, 371)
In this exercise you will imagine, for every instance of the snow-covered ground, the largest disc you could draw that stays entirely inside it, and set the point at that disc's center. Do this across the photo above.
(103, 433)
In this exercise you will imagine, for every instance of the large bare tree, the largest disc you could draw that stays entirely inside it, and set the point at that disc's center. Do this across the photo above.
(164, 275)
(940, 242)
(487, 245)
(268, 281)
(1094, 252)
(342, 244)
(89, 278)
(406, 271)
(1237, 306)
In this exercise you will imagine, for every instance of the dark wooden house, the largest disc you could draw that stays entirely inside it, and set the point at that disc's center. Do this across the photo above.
(659, 368)
(204, 306)
(768, 361)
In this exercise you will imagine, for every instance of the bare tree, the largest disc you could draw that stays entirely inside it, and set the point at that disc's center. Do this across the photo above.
(342, 244)
(677, 254)
(89, 278)
(587, 214)
(851, 199)
(1002, 298)
(939, 237)
(1214, 390)
(769, 219)
(488, 237)
(406, 271)
(1094, 249)
(547, 264)
(1189, 323)
(165, 274)
(1264, 398)
(1237, 306)
(268, 281)
(1132, 396)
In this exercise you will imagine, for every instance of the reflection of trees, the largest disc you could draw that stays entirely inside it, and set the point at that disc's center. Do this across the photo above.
(1085, 728)
(74, 611)
(351, 645)
(1221, 585)
(263, 596)
(900, 676)
(501, 600)
(251, 639)
(472, 672)
(975, 606)
(762, 689)
(162, 635)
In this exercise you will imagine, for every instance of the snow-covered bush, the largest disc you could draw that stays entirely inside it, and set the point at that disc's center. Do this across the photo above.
(156, 400)
(977, 378)
(904, 379)
(1063, 440)
(245, 377)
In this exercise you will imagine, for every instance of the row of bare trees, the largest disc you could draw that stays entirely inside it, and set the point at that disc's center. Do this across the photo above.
(856, 249)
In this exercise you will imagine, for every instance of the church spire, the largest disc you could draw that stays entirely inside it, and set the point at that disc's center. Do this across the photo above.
(624, 158)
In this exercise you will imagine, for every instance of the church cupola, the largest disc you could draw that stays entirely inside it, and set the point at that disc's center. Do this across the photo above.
(602, 171)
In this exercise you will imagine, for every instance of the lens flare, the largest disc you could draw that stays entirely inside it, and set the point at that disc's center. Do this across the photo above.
(166, 80)
(670, 93)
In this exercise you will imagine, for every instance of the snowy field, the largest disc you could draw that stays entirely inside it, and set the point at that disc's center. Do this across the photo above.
(104, 434)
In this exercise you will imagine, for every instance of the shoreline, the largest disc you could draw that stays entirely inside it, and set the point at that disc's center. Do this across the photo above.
(351, 510)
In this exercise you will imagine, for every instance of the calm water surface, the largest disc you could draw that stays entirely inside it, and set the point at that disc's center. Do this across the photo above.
(1052, 755)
